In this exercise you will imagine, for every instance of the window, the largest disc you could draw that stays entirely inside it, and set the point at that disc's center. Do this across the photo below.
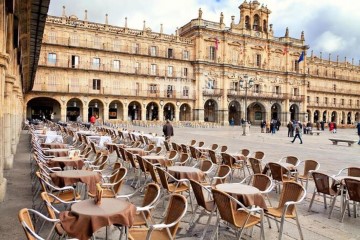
(74, 61)
(334, 74)
(75, 83)
(317, 99)
(170, 53)
(137, 67)
(52, 37)
(116, 65)
(96, 84)
(308, 99)
(152, 88)
(358, 103)
(153, 51)
(74, 39)
(186, 55)
(350, 102)
(96, 63)
(342, 101)
(308, 84)
(277, 89)
(116, 45)
(169, 91)
(153, 69)
(185, 72)
(296, 65)
(326, 100)
(51, 80)
(212, 53)
(185, 91)
(256, 22)
(52, 58)
(296, 92)
(210, 84)
(334, 87)
(258, 60)
(136, 48)
(257, 88)
(170, 71)
(334, 100)
(247, 22)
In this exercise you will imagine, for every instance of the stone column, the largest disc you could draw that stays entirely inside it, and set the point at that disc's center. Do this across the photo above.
(161, 113)
(125, 112)
(8, 103)
(85, 112)
(63, 110)
(177, 113)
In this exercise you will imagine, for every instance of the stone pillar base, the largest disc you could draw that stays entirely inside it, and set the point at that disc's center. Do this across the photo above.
(2, 189)
(9, 162)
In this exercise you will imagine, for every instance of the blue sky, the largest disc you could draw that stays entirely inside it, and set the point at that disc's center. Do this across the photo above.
(330, 26)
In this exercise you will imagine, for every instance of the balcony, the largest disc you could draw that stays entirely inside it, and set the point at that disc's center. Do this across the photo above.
(216, 92)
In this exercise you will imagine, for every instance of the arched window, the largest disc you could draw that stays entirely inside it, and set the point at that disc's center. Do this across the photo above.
(264, 26)
(247, 22)
(256, 22)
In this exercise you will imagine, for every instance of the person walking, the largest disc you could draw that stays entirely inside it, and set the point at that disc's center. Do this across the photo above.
(297, 133)
(358, 130)
(168, 130)
(290, 129)
(92, 119)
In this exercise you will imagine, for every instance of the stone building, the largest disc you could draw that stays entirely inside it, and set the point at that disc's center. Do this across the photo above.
(206, 71)
(21, 29)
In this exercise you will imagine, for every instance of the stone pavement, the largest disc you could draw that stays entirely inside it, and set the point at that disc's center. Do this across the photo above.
(315, 224)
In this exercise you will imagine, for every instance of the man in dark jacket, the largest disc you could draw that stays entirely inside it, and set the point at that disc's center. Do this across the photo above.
(168, 130)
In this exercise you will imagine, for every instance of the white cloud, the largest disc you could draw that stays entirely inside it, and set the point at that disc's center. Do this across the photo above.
(329, 25)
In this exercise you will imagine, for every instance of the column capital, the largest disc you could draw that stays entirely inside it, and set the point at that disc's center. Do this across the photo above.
(4, 60)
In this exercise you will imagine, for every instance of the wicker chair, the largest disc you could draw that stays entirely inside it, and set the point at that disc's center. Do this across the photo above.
(236, 214)
(261, 182)
(204, 200)
(351, 171)
(326, 187)
(149, 149)
(184, 159)
(256, 165)
(214, 147)
(309, 166)
(290, 159)
(152, 170)
(221, 175)
(213, 156)
(279, 173)
(353, 194)
(258, 155)
(291, 195)
(230, 161)
(143, 212)
(175, 211)
(192, 142)
(201, 144)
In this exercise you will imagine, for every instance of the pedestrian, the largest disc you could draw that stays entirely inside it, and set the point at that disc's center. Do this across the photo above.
(278, 124)
(297, 133)
(290, 129)
(168, 130)
(272, 126)
(92, 119)
(322, 124)
(358, 129)
(52, 116)
(267, 127)
(262, 125)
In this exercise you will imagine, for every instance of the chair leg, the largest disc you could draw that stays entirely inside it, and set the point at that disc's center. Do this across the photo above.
(332, 205)
(298, 225)
(207, 224)
(281, 227)
(325, 204)
(312, 200)
(343, 211)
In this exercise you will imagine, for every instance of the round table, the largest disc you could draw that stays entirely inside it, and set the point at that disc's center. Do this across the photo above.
(59, 152)
(138, 151)
(54, 145)
(185, 172)
(63, 162)
(69, 177)
(246, 194)
(86, 217)
(154, 159)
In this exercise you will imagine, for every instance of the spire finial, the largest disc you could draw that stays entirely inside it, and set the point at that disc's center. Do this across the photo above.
(106, 19)
(63, 12)
(200, 13)
(302, 36)
(161, 28)
(144, 25)
(329, 56)
(126, 22)
(85, 17)
(221, 18)
(287, 32)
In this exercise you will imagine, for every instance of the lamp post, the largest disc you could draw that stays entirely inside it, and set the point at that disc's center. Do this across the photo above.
(246, 83)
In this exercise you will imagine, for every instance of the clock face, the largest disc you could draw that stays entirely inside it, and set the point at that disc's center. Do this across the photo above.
(257, 34)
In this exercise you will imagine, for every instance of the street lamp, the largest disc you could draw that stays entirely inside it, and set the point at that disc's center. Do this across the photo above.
(249, 83)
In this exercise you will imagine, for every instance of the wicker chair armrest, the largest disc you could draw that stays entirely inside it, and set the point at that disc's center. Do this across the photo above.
(55, 168)
(43, 216)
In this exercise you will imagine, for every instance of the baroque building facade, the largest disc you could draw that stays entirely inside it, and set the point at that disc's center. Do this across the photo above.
(196, 74)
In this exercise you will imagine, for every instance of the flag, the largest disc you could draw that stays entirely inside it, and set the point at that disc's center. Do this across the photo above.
(216, 43)
(285, 50)
(301, 58)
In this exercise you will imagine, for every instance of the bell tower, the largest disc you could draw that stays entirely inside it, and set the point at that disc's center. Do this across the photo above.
(254, 17)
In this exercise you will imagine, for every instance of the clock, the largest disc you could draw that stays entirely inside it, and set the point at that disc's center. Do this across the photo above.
(257, 34)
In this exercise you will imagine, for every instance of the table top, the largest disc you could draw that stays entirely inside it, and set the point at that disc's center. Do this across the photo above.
(75, 173)
(154, 157)
(57, 150)
(108, 206)
(183, 169)
(237, 188)
(66, 159)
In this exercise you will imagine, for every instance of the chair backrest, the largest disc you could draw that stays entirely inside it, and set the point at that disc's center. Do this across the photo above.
(103, 160)
(245, 152)
(184, 158)
(152, 170)
(123, 154)
(255, 165)
(213, 157)
(27, 224)
(222, 172)
(205, 165)
(291, 191)
(158, 150)
(201, 144)
(114, 172)
(141, 163)
(150, 148)
(119, 180)
(224, 205)
(322, 183)
(130, 158)
(176, 210)
(353, 189)
(172, 155)
(310, 165)
(228, 159)
(198, 191)
(277, 171)
(93, 147)
(261, 181)
(151, 196)
(45, 197)
(214, 146)
(223, 149)
(184, 148)
(192, 142)
(163, 178)
(259, 155)
(291, 159)
(97, 158)
(194, 152)
(354, 171)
